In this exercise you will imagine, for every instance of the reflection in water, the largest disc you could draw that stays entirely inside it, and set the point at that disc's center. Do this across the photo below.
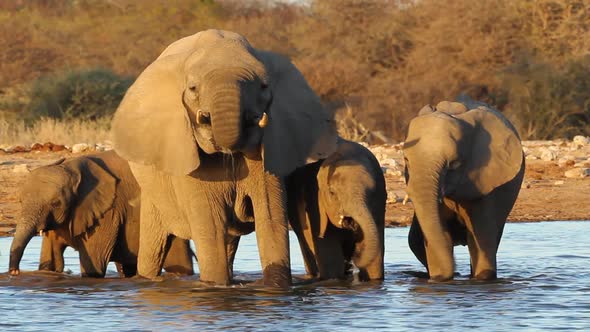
(544, 284)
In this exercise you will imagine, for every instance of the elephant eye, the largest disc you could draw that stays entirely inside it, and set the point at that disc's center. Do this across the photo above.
(193, 88)
(263, 85)
(56, 204)
(453, 165)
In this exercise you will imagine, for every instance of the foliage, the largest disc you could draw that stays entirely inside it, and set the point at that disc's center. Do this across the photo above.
(382, 60)
(84, 95)
(548, 101)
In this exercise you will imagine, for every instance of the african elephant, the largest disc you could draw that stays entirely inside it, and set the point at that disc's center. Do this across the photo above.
(337, 210)
(210, 129)
(463, 173)
(90, 203)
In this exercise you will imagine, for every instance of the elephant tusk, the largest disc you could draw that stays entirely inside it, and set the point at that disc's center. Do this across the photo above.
(41, 233)
(263, 121)
(199, 117)
(406, 198)
(341, 221)
(203, 117)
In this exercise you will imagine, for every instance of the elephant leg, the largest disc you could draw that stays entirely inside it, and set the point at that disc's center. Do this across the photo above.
(331, 260)
(91, 264)
(487, 220)
(272, 233)
(301, 226)
(236, 229)
(152, 242)
(232, 248)
(129, 270)
(46, 262)
(212, 253)
(119, 268)
(309, 259)
(126, 270)
(416, 242)
(179, 256)
(52, 250)
(95, 250)
(482, 235)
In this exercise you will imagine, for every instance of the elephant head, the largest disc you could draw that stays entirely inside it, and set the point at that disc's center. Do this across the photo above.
(212, 92)
(72, 194)
(457, 154)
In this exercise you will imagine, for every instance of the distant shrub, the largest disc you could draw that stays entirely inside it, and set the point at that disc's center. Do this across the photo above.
(84, 94)
(384, 58)
(547, 101)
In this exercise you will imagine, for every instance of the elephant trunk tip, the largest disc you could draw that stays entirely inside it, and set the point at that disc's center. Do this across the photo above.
(369, 251)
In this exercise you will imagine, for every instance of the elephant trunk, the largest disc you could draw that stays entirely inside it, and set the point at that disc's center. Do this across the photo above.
(24, 233)
(372, 245)
(424, 189)
(224, 105)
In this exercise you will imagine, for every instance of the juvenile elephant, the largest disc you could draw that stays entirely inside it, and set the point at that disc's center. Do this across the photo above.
(91, 204)
(210, 129)
(337, 210)
(463, 173)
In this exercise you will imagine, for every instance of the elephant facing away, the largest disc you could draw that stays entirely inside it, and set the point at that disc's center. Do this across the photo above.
(90, 203)
(337, 210)
(211, 129)
(463, 172)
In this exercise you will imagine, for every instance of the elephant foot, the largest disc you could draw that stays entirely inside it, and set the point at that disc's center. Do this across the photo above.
(440, 278)
(92, 275)
(486, 275)
(179, 270)
(275, 275)
(156, 278)
(14, 272)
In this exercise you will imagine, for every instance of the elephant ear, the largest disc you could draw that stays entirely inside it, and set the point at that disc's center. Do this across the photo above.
(300, 130)
(322, 180)
(496, 152)
(95, 190)
(151, 125)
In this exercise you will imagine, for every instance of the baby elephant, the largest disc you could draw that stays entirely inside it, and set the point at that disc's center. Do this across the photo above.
(91, 204)
(337, 209)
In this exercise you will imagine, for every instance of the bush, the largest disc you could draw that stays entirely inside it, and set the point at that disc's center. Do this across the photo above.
(547, 101)
(84, 95)
(384, 58)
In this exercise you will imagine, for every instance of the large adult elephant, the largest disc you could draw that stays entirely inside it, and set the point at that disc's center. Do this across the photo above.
(89, 203)
(211, 128)
(463, 172)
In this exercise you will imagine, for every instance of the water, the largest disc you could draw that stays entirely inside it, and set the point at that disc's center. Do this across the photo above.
(545, 285)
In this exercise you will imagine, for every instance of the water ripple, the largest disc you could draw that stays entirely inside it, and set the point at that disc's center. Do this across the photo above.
(544, 284)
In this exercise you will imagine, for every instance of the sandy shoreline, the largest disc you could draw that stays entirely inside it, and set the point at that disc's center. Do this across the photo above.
(547, 193)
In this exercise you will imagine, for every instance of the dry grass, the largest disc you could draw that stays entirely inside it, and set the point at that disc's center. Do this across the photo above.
(384, 58)
(56, 131)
